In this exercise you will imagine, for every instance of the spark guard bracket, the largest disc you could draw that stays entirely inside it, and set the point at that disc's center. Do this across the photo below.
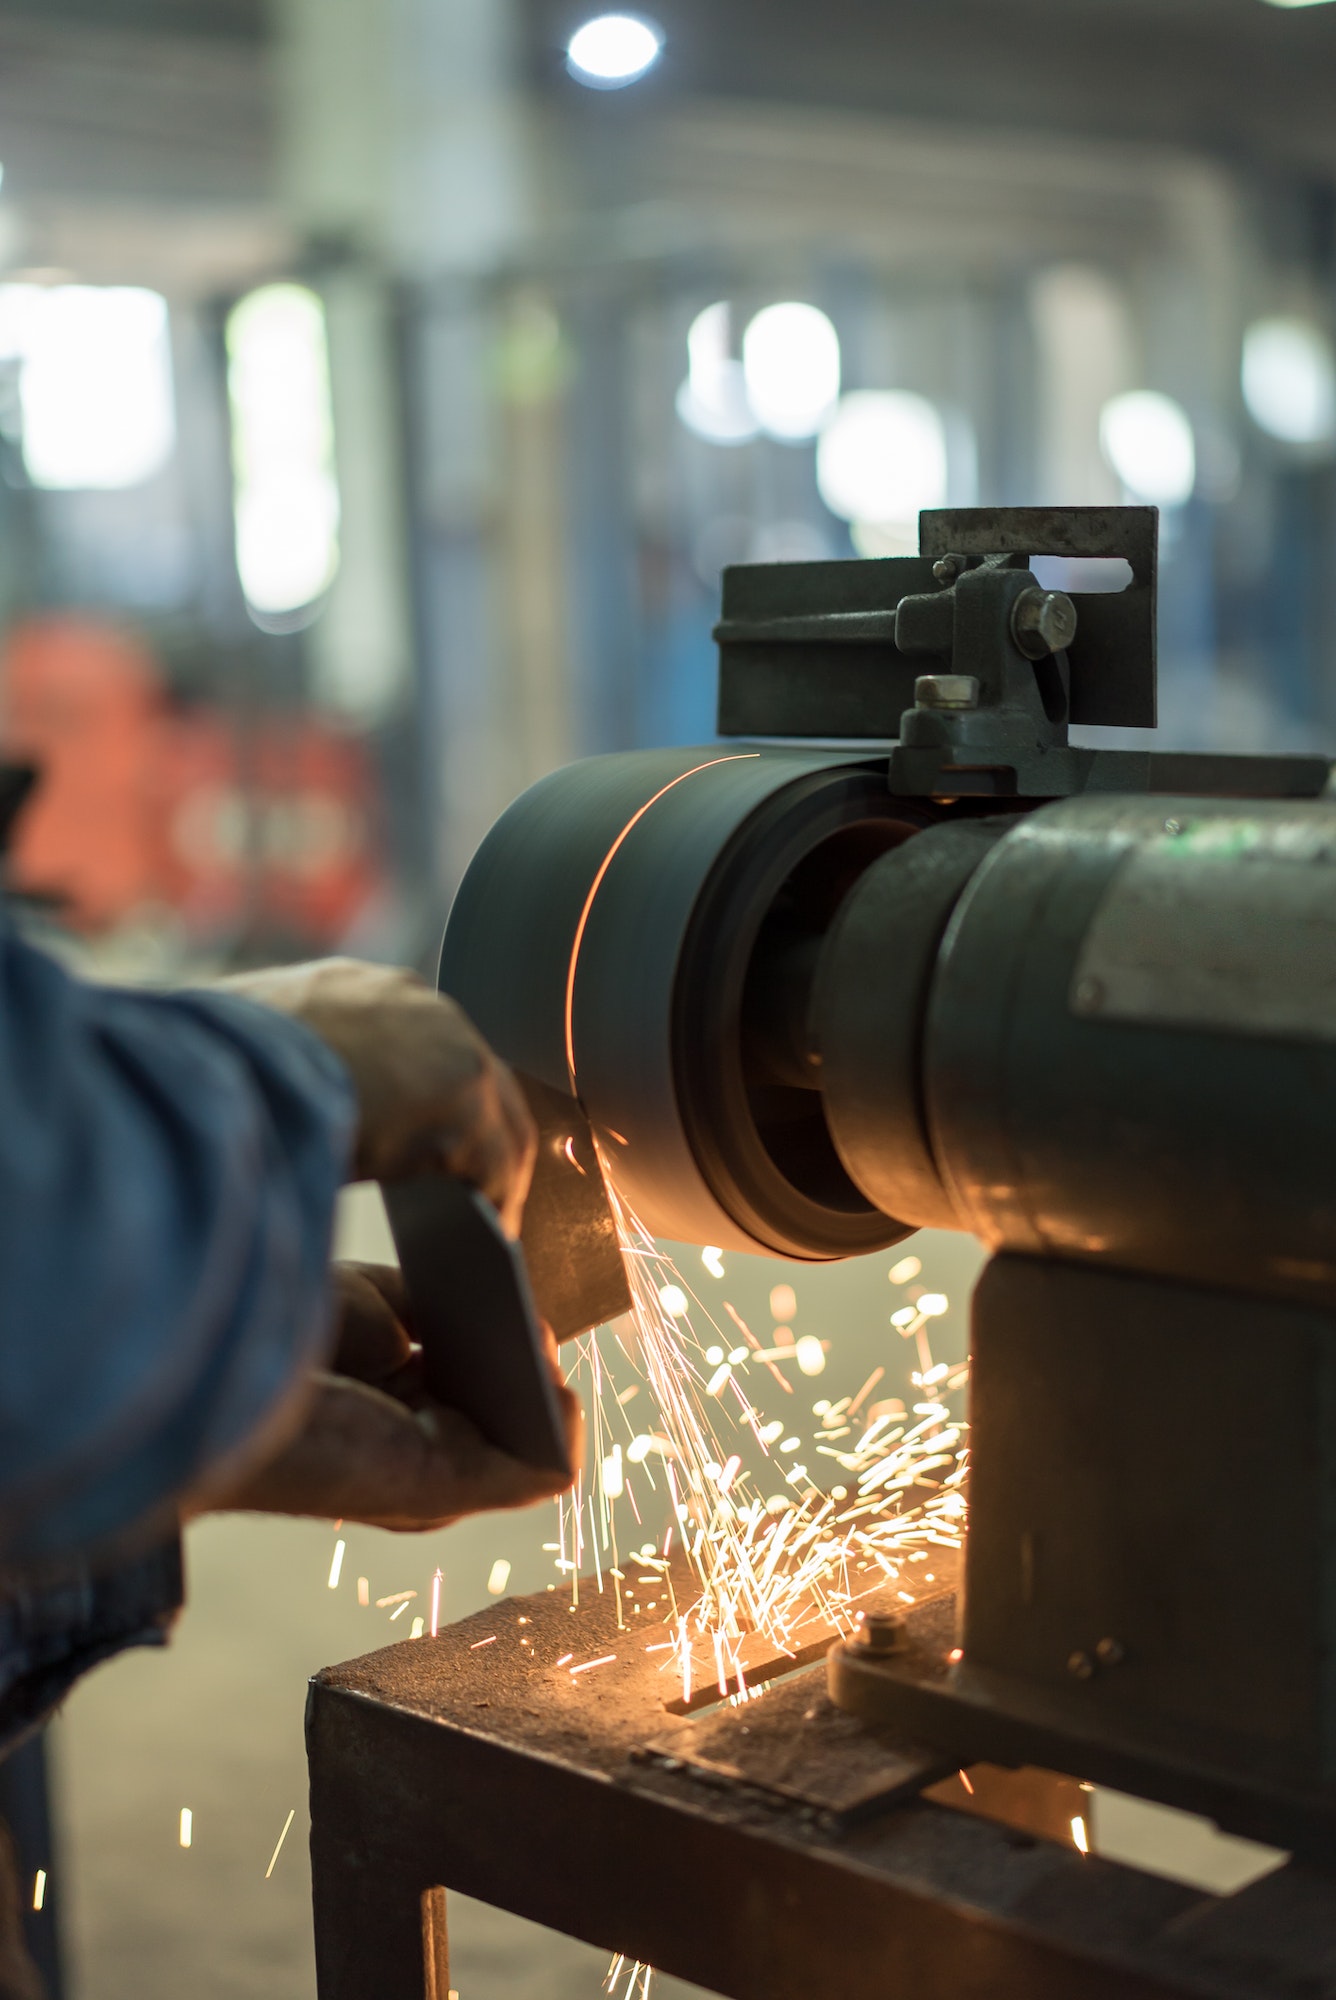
(834, 651)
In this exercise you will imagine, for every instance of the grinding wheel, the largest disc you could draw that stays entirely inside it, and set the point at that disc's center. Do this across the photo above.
(613, 937)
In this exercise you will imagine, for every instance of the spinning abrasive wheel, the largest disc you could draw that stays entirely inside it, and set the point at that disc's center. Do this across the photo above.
(644, 929)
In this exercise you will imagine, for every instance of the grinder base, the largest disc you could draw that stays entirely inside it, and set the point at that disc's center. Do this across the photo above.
(1150, 1573)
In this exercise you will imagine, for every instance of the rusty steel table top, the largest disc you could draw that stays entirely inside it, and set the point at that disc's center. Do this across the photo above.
(774, 1849)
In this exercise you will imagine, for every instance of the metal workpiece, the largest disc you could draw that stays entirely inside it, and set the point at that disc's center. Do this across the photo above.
(569, 1233)
(1130, 1051)
(763, 1853)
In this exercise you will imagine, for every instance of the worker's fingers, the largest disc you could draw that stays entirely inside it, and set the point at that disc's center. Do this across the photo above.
(431, 1095)
(373, 1341)
(491, 1143)
(362, 1456)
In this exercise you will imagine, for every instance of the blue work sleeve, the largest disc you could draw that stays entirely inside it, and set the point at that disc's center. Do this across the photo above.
(168, 1169)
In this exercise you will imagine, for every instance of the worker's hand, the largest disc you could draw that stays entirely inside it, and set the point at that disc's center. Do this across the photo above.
(431, 1095)
(374, 1448)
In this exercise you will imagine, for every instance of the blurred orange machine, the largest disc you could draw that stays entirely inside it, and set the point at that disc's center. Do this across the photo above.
(146, 805)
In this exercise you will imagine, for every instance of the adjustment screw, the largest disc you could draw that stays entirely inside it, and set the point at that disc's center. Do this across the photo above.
(1110, 1652)
(1173, 826)
(1042, 622)
(946, 691)
(880, 1632)
(1081, 1665)
(947, 568)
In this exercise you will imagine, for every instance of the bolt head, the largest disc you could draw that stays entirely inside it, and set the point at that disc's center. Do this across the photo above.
(880, 1631)
(1080, 1665)
(1110, 1652)
(949, 691)
(1043, 622)
(946, 569)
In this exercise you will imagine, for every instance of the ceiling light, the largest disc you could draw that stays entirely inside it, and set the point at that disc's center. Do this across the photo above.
(286, 492)
(1289, 380)
(791, 360)
(882, 458)
(613, 50)
(1147, 439)
(712, 401)
(95, 382)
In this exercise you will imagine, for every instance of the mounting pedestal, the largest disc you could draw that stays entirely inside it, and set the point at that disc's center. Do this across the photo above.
(1150, 1581)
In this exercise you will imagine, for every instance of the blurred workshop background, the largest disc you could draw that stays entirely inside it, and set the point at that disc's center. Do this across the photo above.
(383, 386)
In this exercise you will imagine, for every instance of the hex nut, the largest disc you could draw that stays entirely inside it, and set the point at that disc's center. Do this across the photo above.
(1043, 622)
(958, 691)
(880, 1632)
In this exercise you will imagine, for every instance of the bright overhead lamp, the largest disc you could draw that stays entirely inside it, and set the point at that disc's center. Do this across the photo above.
(712, 401)
(791, 363)
(882, 458)
(613, 50)
(1289, 380)
(286, 491)
(1148, 440)
(1297, 3)
(95, 382)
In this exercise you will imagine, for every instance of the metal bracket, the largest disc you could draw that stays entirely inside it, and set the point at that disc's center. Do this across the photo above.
(1112, 659)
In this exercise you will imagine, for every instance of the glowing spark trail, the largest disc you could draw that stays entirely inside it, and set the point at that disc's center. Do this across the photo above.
(795, 1565)
(278, 1849)
(597, 883)
(774, 1559)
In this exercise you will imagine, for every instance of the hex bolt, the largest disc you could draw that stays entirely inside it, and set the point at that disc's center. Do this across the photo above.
(880, 1632)
(1081, 1665)
(947, 568)
(957, 691)
(1110, 1652)
(1043, 622)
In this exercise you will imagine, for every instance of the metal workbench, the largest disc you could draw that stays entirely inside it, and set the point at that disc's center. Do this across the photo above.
(774, 1850)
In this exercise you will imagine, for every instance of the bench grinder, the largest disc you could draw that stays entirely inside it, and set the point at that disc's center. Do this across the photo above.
(895, 953)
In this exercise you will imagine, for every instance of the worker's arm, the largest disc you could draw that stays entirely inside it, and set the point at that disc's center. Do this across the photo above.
(168, 1166)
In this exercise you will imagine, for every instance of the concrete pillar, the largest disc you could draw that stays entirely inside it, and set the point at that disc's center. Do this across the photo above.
(407, 160)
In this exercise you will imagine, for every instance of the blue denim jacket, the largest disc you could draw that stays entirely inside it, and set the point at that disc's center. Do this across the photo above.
(168, 1168)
